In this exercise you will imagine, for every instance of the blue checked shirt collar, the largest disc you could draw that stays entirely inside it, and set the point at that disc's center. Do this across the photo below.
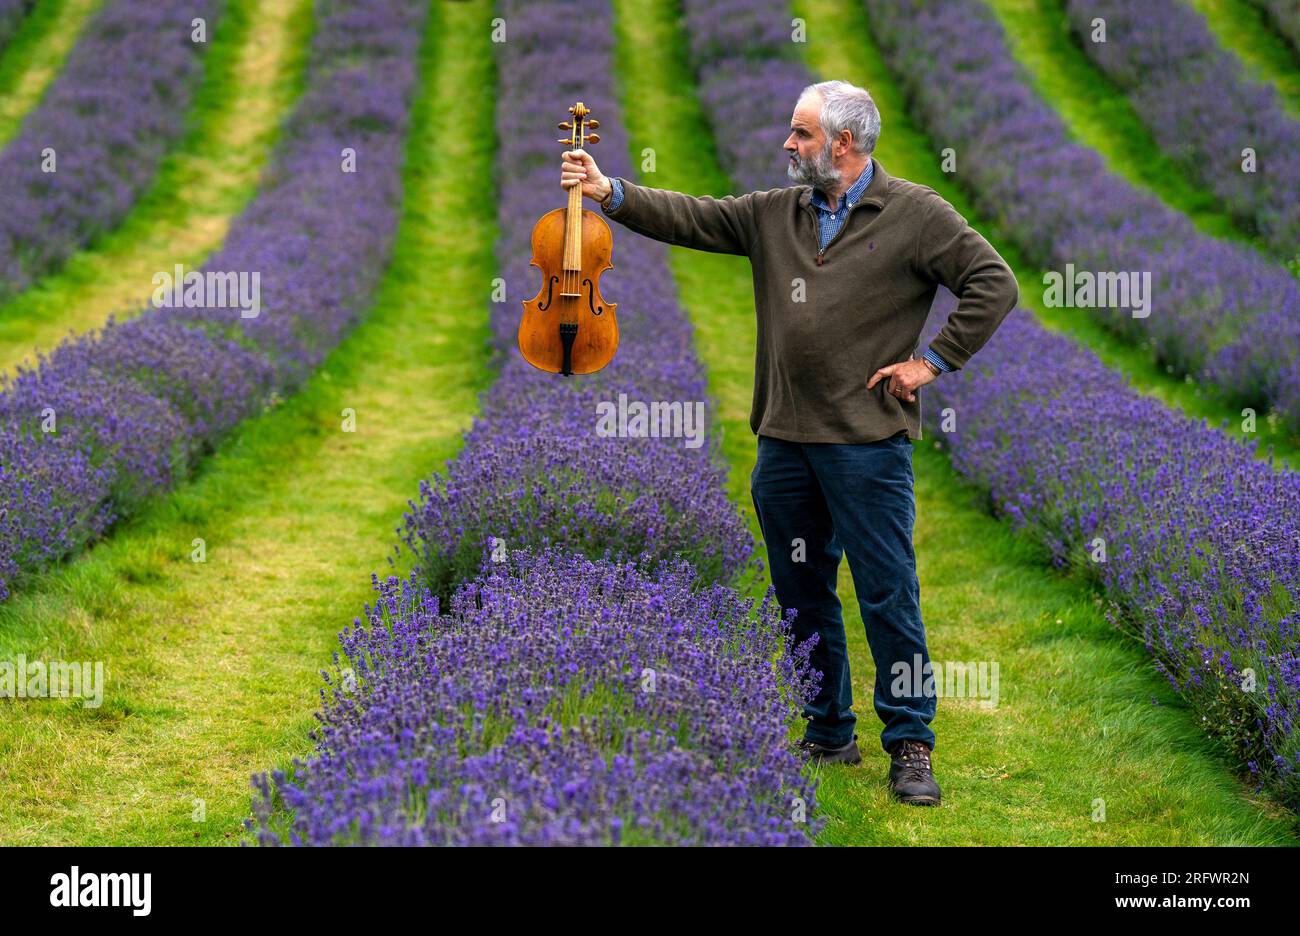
(851, 196)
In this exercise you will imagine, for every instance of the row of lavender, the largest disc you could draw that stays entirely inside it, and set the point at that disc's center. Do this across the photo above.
(559, 700)
(598, 684)
(1201, 539)
(1217, 311)
(1196, 541)
(1201, 108)
(96, 140)
(111, 418)
(12, 14)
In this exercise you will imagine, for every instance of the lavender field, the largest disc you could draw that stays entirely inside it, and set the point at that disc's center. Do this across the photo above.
(297, 549)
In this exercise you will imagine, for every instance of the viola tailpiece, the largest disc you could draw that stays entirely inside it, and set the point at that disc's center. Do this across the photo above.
(568, 327)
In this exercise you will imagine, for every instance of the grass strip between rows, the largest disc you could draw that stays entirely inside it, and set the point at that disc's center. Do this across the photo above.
(252, 75)
(212, 667)
(1244, 29)
(35, 55)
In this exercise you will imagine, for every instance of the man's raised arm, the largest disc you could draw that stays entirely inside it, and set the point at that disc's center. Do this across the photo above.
(718, 225)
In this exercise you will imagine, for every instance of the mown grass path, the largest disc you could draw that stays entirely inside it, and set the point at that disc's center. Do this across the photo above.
(35, 55)
(213, 668)
(1081, 714)
(1244, 30)
(1097, 115)
(252, 76)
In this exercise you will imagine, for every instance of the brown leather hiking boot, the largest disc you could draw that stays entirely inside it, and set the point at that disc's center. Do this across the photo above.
(910, 777)
(821, 753)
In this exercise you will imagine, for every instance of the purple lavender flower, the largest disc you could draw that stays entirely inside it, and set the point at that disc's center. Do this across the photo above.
(111, 418)
(560, 702)
(1202, 110)
(102, 128)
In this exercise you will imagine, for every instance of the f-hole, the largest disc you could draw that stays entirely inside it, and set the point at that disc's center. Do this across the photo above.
(591, 297)
(550, 287)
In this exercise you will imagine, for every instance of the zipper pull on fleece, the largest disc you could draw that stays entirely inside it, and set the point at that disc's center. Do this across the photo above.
(819, 259)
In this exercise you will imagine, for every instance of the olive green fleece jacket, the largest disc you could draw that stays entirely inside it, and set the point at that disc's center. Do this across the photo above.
(827, 321)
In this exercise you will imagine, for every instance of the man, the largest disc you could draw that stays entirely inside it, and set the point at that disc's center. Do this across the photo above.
(841, 299)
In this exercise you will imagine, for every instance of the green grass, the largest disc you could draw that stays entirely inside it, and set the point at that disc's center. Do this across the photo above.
(1244, 30)
(35, 55)
(252, 75)
(1097, 115)
(212, 668)
(1082, 715)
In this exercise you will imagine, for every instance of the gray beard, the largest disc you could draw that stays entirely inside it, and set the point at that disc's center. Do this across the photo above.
(819, 172)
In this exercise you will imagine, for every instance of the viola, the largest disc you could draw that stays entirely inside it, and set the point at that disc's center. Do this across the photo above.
(568, 327)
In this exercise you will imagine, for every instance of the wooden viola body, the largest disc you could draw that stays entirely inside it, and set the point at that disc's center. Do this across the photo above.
(568, 327)
(569, 299)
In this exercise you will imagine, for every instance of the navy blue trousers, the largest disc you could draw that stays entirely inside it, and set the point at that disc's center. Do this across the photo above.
(816, 502)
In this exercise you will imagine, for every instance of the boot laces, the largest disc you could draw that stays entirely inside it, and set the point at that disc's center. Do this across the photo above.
(916, 757)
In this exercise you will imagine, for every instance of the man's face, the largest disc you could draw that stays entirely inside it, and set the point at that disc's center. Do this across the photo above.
(811, 160)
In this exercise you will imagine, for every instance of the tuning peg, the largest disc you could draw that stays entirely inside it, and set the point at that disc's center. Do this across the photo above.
(565, 126)
(593, 138)
(593, 124)
(563, 140)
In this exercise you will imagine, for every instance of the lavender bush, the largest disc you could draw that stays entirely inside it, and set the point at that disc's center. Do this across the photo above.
(1219, 311)
(523, 716)
(111, 418)
(1202, 538)
(108, 118)
(1202, 109)
(560, 702)
(533, 472)
(748, 82)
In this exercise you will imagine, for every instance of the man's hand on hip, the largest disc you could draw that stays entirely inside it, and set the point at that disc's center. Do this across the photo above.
(904, 378)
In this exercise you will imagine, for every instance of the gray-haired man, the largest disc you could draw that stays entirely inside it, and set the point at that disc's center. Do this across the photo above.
(835, 389)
